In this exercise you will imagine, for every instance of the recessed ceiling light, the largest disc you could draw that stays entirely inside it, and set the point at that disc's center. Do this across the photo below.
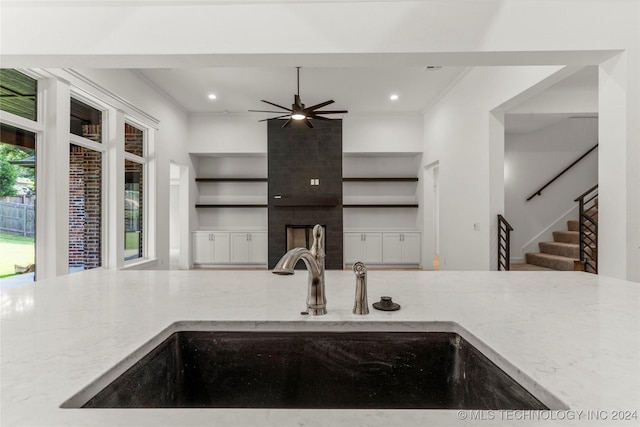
(393, 97)
(212, 96)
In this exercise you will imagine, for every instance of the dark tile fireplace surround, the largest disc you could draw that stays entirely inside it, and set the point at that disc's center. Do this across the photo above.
(296, 155)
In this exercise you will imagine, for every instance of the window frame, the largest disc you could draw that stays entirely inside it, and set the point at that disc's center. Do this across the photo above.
(103, 149)
(148, 193)
(37, 127)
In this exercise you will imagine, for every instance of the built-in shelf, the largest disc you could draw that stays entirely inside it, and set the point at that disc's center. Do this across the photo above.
(231, 206)
(231, 179)
(382, 205)
(381, 179)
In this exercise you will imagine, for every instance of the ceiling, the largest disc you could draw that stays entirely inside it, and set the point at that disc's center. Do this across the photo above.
(364, 90)
(359, 90)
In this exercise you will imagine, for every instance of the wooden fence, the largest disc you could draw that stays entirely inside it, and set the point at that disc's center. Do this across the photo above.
(17, 218)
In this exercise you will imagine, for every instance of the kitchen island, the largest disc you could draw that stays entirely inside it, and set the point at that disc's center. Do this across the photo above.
(573, 336)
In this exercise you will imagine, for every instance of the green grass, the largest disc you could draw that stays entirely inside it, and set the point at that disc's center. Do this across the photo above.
(131, 240)
(15, 250)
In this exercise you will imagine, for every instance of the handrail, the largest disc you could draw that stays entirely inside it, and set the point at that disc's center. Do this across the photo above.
(583, 195)
(539, 191)
(504, 244)
(588, 202)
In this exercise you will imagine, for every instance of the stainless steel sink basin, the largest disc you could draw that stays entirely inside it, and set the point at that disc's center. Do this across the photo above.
(313, 369)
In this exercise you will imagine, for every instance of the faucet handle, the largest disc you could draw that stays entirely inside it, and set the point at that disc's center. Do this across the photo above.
(316, 248)
(359, 268)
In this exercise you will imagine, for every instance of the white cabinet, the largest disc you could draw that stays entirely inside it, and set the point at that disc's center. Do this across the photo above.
(210, 247)
(365, 247)
(229, 248)
(385, 248)
(248, 248)
(401, 248)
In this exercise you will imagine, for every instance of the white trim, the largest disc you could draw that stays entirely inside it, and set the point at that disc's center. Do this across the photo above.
(140, 263)
(20, 122)
(86, 143)
(116, 101)
(149, 202)
(134, 158)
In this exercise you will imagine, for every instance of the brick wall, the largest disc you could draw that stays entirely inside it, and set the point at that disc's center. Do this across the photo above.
(85, 207)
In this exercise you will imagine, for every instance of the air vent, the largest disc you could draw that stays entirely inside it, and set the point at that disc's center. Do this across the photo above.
(433, 67)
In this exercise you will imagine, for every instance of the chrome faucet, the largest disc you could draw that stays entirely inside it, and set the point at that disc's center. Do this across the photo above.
(314, 260)
(361, 305)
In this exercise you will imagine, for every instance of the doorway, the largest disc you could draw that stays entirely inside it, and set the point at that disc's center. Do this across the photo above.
(431, 179)
(178, 216)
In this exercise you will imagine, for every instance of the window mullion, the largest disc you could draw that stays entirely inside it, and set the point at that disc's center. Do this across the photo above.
(134, 158)
(87, 143)
(20, 122)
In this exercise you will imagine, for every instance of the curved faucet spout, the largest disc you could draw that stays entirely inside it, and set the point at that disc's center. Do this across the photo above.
(288, 262)
(314, 261)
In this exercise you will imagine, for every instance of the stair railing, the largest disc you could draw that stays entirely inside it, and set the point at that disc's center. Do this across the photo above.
(504, 244)
(538, 192)
(588, 202)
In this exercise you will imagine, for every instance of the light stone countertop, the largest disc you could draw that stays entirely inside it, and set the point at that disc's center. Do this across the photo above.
(574, 335)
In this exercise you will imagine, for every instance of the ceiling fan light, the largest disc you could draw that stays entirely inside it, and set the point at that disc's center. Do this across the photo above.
(298, 116)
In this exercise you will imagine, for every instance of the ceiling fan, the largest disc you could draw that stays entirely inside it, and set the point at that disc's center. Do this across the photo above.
(299, 111)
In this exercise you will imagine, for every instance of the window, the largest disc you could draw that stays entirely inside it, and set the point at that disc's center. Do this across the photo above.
(85, 208)
(18, 138)
(17, 205)
(86, 121)
(134, 212)
(86, 154)
(18, 94)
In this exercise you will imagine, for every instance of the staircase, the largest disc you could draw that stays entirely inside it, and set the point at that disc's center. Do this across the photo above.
(557, 255)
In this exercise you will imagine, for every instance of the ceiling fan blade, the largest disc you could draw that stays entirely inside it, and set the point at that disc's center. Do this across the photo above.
(286, 123)
(265, 111)
(322, 118)
(276, 105)
(331, 112)
(274, 118)
(308, 122)
(322, 104)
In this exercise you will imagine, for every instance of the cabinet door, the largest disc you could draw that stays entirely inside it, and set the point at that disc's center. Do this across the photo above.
(392, 248)
(202, 248)
(240, 247)
(411, 248)
(220, 243)
(372, 248)
(258, 246)
(352, 250)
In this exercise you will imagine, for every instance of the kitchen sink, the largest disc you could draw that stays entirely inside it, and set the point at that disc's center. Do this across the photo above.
(312, 370)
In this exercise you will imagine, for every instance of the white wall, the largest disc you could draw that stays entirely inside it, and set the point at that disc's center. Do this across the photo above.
(226, 133)
(382, 133)
(457, 135)
(531, 160)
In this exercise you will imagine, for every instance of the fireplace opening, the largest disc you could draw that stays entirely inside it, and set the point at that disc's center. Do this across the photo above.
(301, 236)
